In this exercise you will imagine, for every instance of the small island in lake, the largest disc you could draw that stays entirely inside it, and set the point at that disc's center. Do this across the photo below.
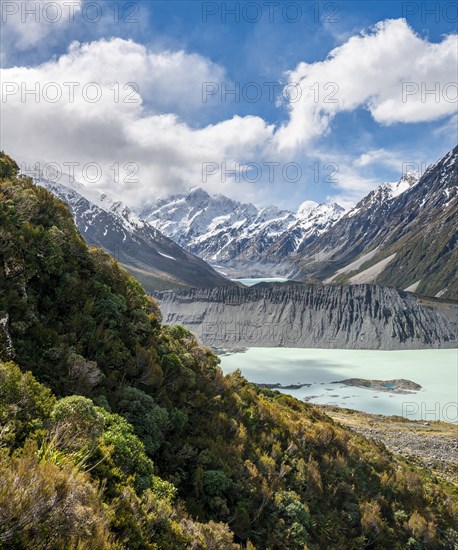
(393, 386)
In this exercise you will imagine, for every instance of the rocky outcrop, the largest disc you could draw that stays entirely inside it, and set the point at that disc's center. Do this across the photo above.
(300, 315)
(6, 342)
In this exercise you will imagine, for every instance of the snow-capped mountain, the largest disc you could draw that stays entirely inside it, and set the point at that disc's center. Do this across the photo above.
(312, 220)
(403, 235)
(154, 259)
(235, 235)
(385, 192)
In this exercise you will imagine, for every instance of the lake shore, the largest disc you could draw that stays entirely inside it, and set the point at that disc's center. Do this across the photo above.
(433, 445)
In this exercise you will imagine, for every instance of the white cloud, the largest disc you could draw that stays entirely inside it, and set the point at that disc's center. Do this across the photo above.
(123, 125)
(352, 185)
(168, 81)
(387, 71)
(449, 127)
(350, 181)
(146, 127)
(379, 156)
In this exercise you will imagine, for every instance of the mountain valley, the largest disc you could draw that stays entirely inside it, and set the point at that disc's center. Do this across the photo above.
(118, 431)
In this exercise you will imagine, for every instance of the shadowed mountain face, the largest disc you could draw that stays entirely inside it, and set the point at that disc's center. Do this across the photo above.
(403, 239)
(299, 315)
(155, 260)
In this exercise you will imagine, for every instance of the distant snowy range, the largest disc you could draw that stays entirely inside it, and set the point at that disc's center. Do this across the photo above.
(238, 238)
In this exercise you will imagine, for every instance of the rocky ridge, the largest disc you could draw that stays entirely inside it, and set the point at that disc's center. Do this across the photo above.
(154, 259)
(405, 237)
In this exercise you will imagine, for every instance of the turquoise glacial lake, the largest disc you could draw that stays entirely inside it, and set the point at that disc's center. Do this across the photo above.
(435, 370)
(255, 281)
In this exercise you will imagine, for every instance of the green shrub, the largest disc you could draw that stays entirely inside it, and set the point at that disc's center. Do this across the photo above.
(24, 404)
(216, 483)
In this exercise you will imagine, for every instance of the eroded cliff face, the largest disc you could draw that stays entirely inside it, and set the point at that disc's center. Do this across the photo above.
(300, 315)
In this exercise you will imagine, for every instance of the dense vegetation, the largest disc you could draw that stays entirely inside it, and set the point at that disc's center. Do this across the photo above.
(119, 432)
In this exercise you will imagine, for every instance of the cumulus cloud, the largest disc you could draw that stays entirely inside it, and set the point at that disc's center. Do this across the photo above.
(112, 101)
(389, 71)
(121, 104)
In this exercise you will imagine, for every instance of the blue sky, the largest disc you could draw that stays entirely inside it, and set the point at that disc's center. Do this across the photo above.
(359, 119)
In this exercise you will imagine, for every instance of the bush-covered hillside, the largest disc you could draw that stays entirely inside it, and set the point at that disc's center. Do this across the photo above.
(127, 434)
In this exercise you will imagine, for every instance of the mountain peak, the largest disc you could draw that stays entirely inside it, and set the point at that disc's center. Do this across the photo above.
(307, 206)
(385, 192)
(411, 177)
(408, 180)
(197, 193)
(229, 233)
(364, 247)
